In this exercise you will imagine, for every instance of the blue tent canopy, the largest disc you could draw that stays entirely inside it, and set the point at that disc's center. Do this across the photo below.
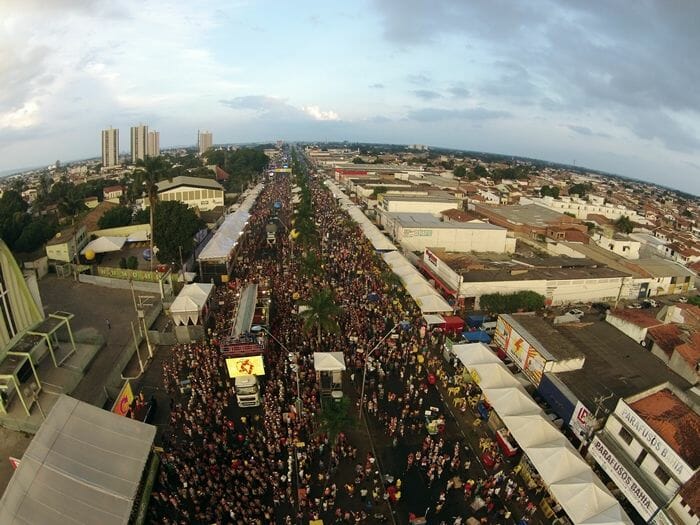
(478, 336)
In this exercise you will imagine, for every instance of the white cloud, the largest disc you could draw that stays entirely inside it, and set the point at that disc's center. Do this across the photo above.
(317, 114)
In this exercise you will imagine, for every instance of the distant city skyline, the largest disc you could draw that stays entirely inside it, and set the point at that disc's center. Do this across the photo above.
(602, 84)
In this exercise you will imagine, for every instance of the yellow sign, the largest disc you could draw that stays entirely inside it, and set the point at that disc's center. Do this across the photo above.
(124, 399)
(245, 366)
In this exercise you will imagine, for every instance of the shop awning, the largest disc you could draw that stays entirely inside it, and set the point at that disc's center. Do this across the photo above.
(329, 361)
(189, 303)
(433, 319)
(104, 245)
(475, 353)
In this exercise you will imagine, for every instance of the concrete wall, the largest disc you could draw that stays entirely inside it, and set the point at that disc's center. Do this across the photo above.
(583, 290)
(122, 231)
(205, 199)
(453, 239)
(556, 248)
(476, 290)
(681, 367)
(40, 266)
(120, 284)
(629, 249)
(631, 330)
(418, 206)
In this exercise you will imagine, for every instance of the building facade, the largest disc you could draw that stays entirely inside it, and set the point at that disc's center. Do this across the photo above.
(67, 244)
(110, 147)
(649, 449)
(139, 143)
(203, 194)
(204, 141)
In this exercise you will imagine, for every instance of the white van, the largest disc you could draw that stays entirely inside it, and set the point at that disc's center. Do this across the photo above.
(488, 327)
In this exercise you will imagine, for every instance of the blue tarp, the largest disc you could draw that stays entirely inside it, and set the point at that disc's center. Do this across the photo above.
(475, 320)
(478, 336)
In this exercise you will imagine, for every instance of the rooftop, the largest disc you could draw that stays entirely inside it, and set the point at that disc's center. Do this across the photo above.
(666, 336)
(690, 492)
(420, 220)
(673, 420)
(615, 364)
(527, 214)
(435, 197)
(636, 317)
(690, 351)
(93, 216)
(553, 344)
(183, 180)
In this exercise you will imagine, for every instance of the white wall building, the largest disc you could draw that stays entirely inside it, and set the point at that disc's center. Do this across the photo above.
(581, 208)
(432, 204)
(110, 147)
(418, 231)
(649, 449)
(203, 194)
(623, 246)
(633, 323)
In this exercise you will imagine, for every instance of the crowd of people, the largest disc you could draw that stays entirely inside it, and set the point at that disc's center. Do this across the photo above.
(273, 465)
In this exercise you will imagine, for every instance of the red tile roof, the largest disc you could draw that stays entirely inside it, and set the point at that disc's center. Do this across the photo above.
(690, 351)
(666, 336)
(676, 423)
(637, 317)
(690, 493)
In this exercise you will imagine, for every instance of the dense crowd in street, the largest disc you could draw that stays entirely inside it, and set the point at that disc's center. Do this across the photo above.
(274, 465)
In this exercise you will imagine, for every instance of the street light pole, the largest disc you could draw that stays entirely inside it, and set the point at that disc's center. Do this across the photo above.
(364, 372)
(301, 403)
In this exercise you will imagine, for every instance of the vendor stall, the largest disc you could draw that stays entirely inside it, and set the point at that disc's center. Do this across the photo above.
(329, 367)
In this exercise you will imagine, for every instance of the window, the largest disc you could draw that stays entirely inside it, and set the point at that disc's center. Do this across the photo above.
(198, 194)
(661, 474)
(640, 458)
(626, 436)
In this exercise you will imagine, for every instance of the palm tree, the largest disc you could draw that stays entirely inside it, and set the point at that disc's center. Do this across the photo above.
(152, 169)
(310, 264)
(321, 313)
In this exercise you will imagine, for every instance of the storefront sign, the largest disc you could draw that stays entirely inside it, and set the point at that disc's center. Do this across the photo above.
(634, 493)
(657, 445)
(579, 423)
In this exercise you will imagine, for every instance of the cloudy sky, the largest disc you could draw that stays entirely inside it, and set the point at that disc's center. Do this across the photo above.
(606, 84)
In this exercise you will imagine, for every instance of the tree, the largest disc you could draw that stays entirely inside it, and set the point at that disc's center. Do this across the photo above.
(687, 213)
(624, 224)
(335, 418)
(580, 189)
(497, 303)
(378, 190)
(310, 264)
(115, 217)
(152, 169)
(35, 234)
(175, 226)
(358, 160)
(141, 217)
(551, 191)
(321, 313)
(13, 216)
(479, 171)
(460, 172)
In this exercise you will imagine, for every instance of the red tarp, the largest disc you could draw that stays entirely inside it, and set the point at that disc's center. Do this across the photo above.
(453, 324)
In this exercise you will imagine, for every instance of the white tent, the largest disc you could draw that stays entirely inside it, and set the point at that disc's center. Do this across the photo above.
(588, 501)
(409, 277)
(560, 462)
(420, 289)
(104, 245)
(188, 304)
(511, 401)
(533, 430)
(494, 375)
(377, 238)
(432, 303)
(475, 354)
(329, 361)
(433, 319)
(140, 235)
(84, 465)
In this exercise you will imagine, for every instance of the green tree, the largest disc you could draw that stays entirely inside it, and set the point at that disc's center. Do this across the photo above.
(687, 213)
(358, 160)
(460, 172)
(132, 263)
(335, 418)
(581, 189)
(142, 216)
(479, 171)
(322, 313)
(152, 170)
(115, 217)
(497, 303)
(310, 264)
(13, 216)
(551, 191)
(35, 234)
(175, 226)
(624, 224)
(378, 190)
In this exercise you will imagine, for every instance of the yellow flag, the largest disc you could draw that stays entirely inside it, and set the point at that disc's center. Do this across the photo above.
(245, 366)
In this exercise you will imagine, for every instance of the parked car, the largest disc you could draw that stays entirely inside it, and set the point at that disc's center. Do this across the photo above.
(576, 313)
(682, 299)
(650, 303)
(634, 306)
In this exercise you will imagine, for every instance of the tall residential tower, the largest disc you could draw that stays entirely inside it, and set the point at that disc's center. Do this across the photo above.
(153, 144)
(139, 143)
(204, 141)
(110, 147)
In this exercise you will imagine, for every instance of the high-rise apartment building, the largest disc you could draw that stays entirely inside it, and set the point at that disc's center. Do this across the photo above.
(204, 141)
(110, 147)
(139, 143)
(153, 143)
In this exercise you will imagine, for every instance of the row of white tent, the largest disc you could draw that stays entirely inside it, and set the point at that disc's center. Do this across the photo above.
(226, 237)
(423, 293)
(426, 296)
(566, 474)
